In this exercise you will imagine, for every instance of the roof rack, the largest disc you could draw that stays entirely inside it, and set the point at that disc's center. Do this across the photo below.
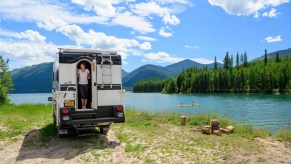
(65, 50)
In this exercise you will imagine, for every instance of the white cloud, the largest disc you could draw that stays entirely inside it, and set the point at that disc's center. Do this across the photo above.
(147, 9)
(31, 35)
(245, 7)
(271, 13)
(99, 40)
(44, 13)
(163, 57)
(146, 46)
(135, 22)
(257, 15)
(146, 38)
(203, 60)
(185, 2)
(271, 39)
(102, 8)
(164, 33)
(172, 20)
(28, 53)
(192, 47)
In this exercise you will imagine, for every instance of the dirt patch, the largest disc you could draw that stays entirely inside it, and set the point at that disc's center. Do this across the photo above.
(273, 151)
(165, 144)
(30, 149)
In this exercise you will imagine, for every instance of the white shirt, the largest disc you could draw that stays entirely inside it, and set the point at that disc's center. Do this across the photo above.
(83, 76)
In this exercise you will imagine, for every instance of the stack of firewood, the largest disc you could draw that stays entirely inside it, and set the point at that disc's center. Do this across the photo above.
(214, 128)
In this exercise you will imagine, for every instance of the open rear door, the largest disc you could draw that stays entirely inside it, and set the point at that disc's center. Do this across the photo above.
(94, 84)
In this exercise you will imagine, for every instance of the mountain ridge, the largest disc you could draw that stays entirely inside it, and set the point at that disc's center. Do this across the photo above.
(38, 79)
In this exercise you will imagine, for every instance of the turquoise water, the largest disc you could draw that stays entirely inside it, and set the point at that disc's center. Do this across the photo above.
(267, 111)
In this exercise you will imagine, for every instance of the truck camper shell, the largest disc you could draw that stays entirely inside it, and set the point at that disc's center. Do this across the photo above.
(105, 94)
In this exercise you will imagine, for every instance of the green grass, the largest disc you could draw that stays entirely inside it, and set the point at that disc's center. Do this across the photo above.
(20, 119)
(139, 119)
(148, 136)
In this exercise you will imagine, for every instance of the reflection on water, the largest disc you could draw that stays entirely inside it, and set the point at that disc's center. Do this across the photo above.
(267, 111)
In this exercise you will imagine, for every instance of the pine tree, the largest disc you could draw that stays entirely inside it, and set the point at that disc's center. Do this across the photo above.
(277, 58)
(266, 58)
(237, 60)
(215, 63)
(231, 62)
(245, 63)
(5, 81)
(226, 61)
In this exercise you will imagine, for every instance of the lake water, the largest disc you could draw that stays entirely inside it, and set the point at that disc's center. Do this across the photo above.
(267, 111)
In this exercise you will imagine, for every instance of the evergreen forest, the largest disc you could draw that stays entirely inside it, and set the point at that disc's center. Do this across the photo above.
(267, 76)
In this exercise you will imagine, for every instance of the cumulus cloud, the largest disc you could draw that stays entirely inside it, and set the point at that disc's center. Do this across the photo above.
(44, 13)
(171, 19)
(164, 33)
(29, 52)
(31, 35)
(271, 13)
(137, 23)
(100, 40)
(102, 8)
(245, 7)
(146, 38)
(149, 8)
(161, 57)
(271, 39)
(146, 46)
(164, 57)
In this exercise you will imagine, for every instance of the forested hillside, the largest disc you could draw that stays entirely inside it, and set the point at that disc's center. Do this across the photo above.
(266, 76)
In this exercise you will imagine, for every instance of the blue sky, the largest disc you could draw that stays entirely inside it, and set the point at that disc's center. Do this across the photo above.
(158, 32)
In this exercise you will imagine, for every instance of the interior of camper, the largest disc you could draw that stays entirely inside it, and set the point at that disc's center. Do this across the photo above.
(89, 96)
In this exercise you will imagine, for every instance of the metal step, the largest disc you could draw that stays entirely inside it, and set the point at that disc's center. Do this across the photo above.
(86, 131)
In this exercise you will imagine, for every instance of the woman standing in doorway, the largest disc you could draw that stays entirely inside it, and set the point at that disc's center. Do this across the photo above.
(83, 75)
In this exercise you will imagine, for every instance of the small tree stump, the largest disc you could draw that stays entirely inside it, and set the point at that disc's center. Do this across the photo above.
(214, 123)
(183, 120)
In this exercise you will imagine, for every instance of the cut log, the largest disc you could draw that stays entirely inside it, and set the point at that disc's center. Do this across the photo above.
(217, 132)
(206, 130)
(230, 129)
(183, 120)
(214, 123)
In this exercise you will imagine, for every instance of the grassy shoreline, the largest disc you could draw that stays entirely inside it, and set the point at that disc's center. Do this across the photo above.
(18, 119)
(147, 137)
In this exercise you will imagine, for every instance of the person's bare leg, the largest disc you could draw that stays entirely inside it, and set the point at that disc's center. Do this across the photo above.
(85, 102)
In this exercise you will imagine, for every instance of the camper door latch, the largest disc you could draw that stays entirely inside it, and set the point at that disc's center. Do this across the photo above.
(95, 84)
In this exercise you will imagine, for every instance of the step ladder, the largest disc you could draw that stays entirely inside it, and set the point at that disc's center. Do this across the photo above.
(106, 70)
(86, 131)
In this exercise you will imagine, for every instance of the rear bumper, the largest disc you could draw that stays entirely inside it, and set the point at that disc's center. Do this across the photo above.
(93, 121)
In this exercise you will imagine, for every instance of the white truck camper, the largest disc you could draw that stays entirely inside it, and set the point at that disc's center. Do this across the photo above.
(105, 94)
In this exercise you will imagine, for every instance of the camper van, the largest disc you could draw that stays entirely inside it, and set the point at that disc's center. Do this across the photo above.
(104, 103)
